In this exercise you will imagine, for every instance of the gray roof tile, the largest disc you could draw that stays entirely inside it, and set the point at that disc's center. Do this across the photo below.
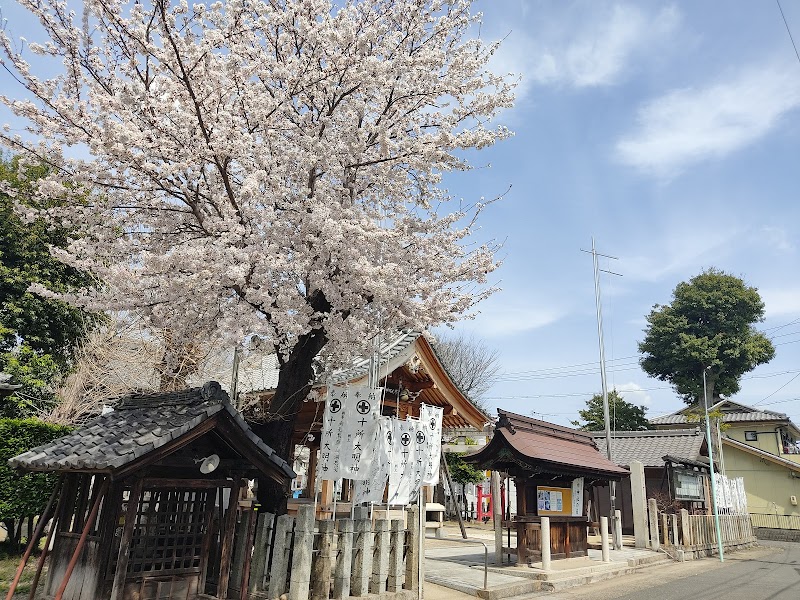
(139, 424)
(651, 446)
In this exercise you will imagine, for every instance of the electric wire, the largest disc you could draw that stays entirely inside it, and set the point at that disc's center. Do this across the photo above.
(789, 31)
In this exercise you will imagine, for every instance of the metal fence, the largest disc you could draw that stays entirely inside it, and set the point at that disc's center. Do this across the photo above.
(771, 521)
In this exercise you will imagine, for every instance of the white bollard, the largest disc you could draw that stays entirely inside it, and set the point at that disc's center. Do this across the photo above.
(604, 539)
(546, 543)
(617, 530)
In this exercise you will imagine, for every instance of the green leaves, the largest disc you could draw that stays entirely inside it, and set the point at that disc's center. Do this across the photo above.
(708, 325)
(24, 494)
(460, 471)
(625, 416)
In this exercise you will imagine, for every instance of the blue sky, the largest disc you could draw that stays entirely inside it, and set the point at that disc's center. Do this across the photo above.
(669, 132)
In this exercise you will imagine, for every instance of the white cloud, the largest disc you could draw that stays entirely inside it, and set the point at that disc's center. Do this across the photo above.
(777, 238)
(503, 319)
(634, 394)
(690, 249)
(592, 49)
(783, 302)
(695, 124)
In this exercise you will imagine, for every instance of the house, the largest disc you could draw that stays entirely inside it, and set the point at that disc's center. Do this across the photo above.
(759, 445)
(674, 461)
(149, 496)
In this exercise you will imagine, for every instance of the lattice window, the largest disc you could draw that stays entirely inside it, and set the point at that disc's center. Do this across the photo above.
(170, 532)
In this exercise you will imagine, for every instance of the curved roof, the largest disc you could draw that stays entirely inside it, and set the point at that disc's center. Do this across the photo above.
(143, 423)
(650, 447)
(539, 446)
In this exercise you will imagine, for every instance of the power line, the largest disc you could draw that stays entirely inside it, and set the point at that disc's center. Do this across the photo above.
(778, 390)
(789, 31)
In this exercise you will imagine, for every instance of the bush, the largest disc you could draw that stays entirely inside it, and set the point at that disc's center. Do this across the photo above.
(23, 495)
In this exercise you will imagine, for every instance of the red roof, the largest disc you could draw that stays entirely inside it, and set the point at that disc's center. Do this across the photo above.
(547, 446)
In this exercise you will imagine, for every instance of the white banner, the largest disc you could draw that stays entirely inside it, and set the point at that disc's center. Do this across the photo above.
(371, 489)
(577, 497)
(401, 475)
(329, 465)
(349, 424)
(431, 421)
(360, 421)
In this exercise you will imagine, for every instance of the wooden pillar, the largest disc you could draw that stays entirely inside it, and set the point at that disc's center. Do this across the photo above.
(497, 519)
(227, 534)
(311, 481)
(82, 541)
(125, 543)
(45, 517)
(326, 496)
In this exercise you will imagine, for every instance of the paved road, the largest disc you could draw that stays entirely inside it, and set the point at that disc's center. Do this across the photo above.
(771, 572)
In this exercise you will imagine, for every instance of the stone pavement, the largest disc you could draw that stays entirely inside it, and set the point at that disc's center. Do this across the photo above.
(458, 565)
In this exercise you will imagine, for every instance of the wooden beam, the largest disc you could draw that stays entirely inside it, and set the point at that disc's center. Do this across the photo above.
(227, 533)
(118, 588)
(82, 541)
(35, 538)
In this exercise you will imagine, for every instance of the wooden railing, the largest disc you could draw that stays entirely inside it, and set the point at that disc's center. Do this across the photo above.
(697, 533)
(772, 521)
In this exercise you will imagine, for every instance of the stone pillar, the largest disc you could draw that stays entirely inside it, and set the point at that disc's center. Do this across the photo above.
(604, 539)
(321, 572)
(412, 555)
(362, 558)
(545, 543)
(280, 556)
(618, 530)
(686, 536)
(300, 578)
(261, 546)
(380, 558)
(639, 503)
(653, 510)
(344, 560)
(398, 540)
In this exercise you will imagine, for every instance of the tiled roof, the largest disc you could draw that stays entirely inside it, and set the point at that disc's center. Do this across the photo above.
(649, 447)
(733, 413)
(139, 424)
(548, 445)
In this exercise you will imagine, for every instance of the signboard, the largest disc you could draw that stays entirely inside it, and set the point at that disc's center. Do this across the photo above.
(688, 485)
(577, 497)
(553, 501)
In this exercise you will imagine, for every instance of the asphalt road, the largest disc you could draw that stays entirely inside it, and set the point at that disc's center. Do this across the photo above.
(771, 572)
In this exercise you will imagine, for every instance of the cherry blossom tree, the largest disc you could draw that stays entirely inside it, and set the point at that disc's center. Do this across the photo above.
(264, 167)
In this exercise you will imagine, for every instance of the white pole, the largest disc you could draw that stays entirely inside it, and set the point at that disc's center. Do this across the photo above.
(545, 525)
(711, 467)
(604, 539)
(606, 416)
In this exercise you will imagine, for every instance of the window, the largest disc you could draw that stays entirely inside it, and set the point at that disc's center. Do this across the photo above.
(751, 436)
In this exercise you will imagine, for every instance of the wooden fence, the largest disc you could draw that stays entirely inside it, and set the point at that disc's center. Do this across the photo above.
(691, 536)
(302, 558)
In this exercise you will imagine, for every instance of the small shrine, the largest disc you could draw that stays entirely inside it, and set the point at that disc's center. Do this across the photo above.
(148, 499)
(554, 469)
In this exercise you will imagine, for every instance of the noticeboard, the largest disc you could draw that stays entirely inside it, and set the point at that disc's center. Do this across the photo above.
(688, 485)
(553, 500)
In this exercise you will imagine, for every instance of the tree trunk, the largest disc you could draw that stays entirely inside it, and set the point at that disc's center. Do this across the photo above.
(294, 383)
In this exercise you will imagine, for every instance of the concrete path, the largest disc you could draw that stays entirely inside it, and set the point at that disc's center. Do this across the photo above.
(459, 565)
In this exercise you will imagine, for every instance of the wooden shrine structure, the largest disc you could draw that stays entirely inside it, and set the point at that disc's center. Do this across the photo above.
(554, 468)
(411, 373)
(148, 498)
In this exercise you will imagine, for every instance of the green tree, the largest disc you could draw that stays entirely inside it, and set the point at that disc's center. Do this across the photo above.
(37, 334)
(23, 495)
(624, 415)
(707, 326)
(462, 472)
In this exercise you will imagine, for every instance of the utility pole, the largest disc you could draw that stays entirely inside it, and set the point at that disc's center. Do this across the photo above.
(714, 505)
(606, 417)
